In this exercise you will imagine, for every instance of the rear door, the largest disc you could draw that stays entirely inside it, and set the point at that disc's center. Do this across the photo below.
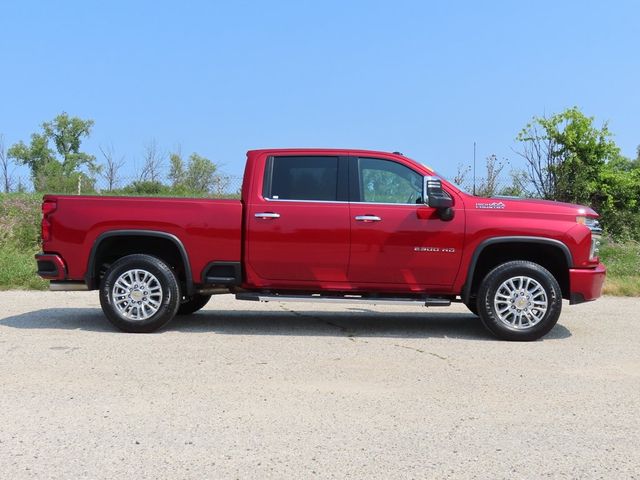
(299, 228)
(395, 238)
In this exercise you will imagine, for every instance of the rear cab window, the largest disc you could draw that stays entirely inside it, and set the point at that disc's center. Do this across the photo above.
(305, 178)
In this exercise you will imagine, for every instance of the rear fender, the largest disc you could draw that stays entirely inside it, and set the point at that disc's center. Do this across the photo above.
(90, 277)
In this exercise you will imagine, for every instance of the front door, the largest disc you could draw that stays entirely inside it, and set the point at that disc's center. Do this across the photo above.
(395, 238)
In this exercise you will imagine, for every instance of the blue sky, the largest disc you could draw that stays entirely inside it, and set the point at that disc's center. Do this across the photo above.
(219, 78)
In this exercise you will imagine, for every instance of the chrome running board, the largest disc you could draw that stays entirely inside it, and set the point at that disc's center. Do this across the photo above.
(55, 286)
(268, 297)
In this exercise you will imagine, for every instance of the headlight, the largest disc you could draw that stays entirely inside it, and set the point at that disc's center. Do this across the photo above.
(595, 246)
(596, 234)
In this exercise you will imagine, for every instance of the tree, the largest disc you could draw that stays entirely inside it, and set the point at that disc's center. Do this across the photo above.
(153, 164)
(177, 174)
(198, 177)
(111, 167)
(517, 188)
(489, 186)
(565, 154)
(37, 155)
(618, 198)
(59, 169)
(200, 174)
(5, 168)
(571, 160)
(67, 134)
(460, 177)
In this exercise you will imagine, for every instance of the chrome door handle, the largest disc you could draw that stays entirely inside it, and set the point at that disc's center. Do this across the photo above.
(267, 215)
(368, 218)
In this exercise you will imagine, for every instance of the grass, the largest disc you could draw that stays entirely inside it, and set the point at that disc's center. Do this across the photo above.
(18, 271)
(19, 241)
(622, 260)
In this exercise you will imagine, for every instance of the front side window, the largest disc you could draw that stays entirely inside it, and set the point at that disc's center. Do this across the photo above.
(302, 178)
(384, 181)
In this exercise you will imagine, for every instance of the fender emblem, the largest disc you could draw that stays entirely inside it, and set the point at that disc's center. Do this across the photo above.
(492, 205)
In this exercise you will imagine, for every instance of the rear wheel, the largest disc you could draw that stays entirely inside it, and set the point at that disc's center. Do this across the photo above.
(139, 293)
(193, 304)
(520, 301)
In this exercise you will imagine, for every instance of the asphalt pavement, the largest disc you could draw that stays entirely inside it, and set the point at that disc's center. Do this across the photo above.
(254, 390)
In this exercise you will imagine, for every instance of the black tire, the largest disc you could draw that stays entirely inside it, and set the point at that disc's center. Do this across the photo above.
(504, 307)
(121, 304)
(193, 304)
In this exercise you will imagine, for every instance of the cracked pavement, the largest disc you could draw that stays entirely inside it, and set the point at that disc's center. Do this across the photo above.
(255, 390)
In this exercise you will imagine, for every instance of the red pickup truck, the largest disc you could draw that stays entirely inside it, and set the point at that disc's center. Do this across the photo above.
(327, 226)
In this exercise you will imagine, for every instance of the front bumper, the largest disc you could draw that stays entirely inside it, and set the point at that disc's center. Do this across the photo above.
(586, 283)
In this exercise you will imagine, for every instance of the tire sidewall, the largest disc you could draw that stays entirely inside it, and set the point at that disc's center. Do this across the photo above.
(500, 274)
(168, 283)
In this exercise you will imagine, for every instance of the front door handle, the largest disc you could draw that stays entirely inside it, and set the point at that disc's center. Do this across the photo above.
(368, 218)
(267, 215)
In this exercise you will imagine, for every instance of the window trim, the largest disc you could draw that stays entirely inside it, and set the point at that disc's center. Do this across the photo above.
(306, 201)
(267, 178)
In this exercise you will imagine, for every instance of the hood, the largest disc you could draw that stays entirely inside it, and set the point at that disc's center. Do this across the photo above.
(530, 205)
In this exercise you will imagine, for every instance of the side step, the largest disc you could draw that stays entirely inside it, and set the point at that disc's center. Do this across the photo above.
(66, 286)
(269, 297)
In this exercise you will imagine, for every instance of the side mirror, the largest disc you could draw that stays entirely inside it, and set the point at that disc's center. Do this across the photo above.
(434, 195)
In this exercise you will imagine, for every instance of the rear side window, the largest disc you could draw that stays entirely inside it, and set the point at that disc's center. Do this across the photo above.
(301, 178)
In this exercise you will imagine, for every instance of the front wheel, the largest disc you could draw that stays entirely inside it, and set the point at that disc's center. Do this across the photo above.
(139, 293)
(519, 300)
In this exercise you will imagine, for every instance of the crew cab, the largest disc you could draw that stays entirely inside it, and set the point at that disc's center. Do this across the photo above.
(327, 225)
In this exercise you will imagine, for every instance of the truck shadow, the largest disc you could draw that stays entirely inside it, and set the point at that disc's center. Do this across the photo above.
(355, 322)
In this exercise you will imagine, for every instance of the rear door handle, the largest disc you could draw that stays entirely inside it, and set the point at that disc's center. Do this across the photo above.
(267, 215)
(368, 218)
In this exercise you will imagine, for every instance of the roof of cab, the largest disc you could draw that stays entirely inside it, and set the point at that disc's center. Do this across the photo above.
(330, 151)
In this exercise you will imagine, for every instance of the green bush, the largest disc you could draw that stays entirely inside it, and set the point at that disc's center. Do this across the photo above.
(20, 221)
(618, 199)
(19, 241)
(621, 258)
(144, 187)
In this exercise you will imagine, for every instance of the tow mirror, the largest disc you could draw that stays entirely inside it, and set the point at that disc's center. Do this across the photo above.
(434, 195)
(437, 198)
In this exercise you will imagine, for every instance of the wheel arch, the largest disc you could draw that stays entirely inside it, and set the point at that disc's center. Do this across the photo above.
(176, 253)
(550, 253)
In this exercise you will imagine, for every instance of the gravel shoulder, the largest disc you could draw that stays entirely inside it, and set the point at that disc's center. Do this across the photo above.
(253, 390)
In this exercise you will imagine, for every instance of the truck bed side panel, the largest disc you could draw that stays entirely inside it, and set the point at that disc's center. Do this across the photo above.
(210, 230)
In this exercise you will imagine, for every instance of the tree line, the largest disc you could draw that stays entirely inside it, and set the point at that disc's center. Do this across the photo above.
(567, 158)
(57, 164)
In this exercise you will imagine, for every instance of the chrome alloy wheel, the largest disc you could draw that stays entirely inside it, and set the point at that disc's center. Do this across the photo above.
(520, 302)
(137, 294)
